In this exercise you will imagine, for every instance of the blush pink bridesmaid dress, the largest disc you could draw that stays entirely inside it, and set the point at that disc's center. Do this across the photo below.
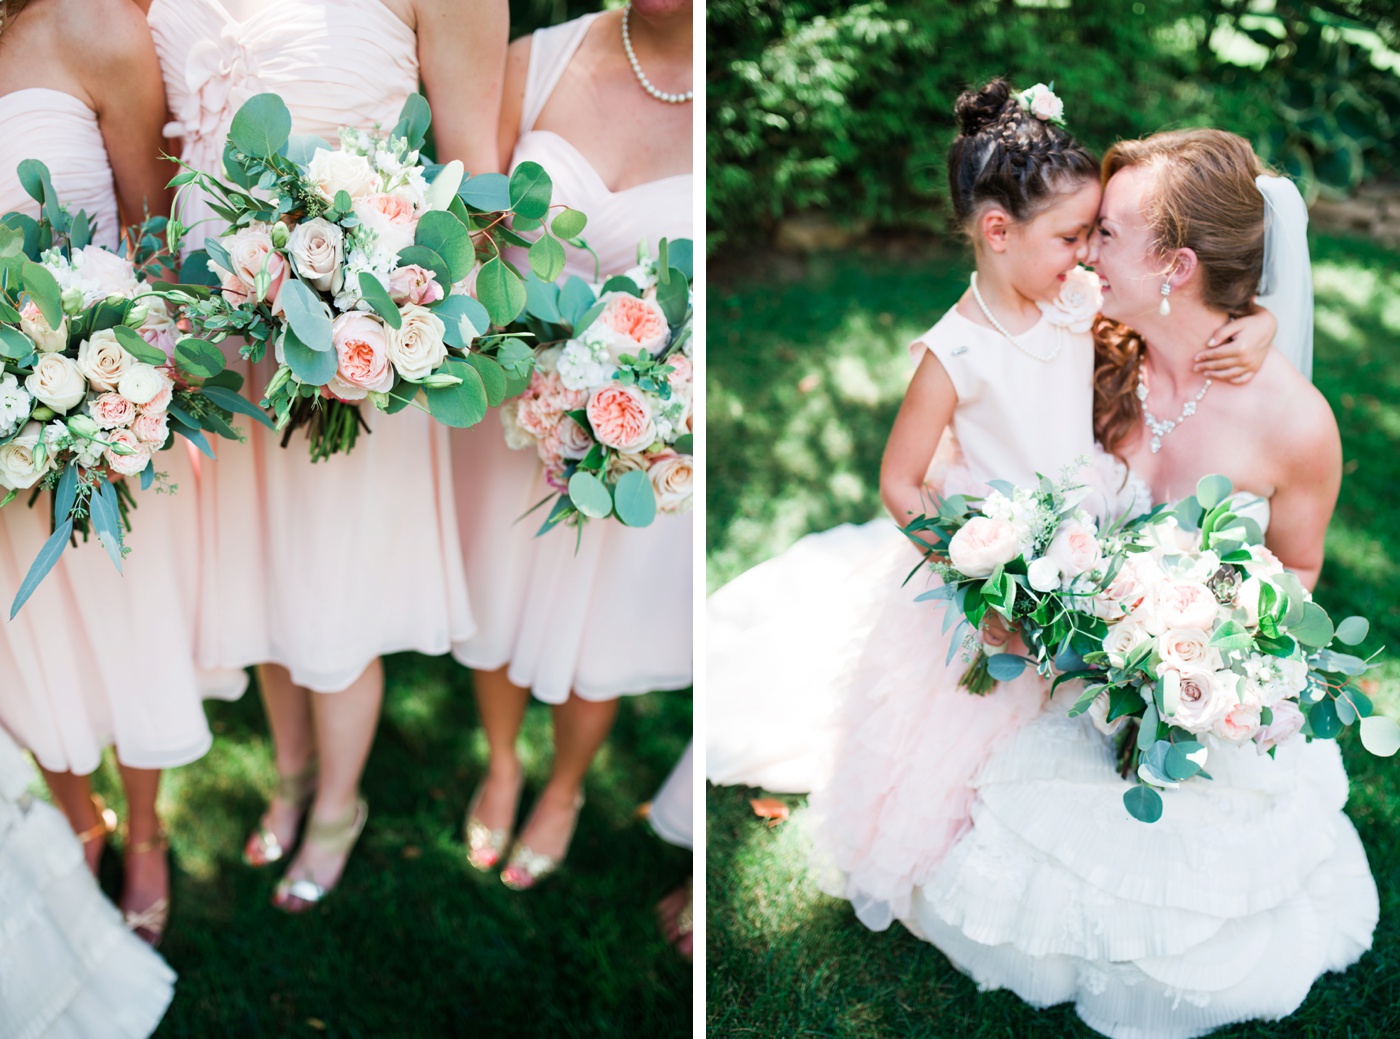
(97, 658)
(613, 618)
(318, 567)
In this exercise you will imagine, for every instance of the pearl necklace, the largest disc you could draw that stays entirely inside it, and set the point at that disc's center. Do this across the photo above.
(670, 99)
(1059, 329)
(1160, 429)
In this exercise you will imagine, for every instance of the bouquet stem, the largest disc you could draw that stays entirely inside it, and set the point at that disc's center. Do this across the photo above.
(332, 426)
(977, 679)
(1127, 747)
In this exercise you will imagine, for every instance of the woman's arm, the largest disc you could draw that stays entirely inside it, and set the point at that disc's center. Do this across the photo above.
(1307, 440)
(925, 414)
(115, 60)
(462, 56)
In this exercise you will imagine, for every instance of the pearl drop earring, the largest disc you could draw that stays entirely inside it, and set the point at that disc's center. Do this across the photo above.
(1166, 307)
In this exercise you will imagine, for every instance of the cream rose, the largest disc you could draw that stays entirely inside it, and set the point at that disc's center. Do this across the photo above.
(1074, 550)
(1287, 723)
(140, 383)
(574, 441)
(1079, 301)
(1187, 649)
(161, 401)
(416, 348)
(151, 429)
(248, 249)
(317, 250)
(1205, 699)
(46, 339)
(112, 275)
(111, 410)
(57, 382)
(1240, 723)
(1186, 604)
(127, 465)
(1098, 714)
(982, 545)
(363, 361)
(333, 171)
(1122, 638)
(621, 418)
(618, 464)
(103, 360)
(18, 468)
(673, 479)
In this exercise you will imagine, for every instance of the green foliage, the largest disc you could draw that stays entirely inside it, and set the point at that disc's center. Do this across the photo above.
(847, 108)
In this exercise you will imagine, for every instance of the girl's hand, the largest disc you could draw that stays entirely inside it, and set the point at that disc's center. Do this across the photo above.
(1238, 348)
(994, 629)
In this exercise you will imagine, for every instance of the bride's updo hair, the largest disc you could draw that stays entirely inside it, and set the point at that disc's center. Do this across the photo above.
(8, 10)
(1202, 196)
(1008, 157)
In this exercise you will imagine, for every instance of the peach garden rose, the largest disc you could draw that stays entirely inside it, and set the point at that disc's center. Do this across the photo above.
(621, 418)
(363, 358)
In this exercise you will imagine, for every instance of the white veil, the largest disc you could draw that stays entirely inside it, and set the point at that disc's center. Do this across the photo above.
(1286, 287)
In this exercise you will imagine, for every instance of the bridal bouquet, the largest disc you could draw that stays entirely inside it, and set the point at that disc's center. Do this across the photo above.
(608, 407)
(94, 383)
(357, 266)
(1211, 638)
(1033, 556)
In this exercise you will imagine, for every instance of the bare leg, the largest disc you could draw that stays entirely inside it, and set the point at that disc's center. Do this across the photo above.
(288, 709)
(148, 870)
(580, 727)
(501, 704)
(674, 914)
(73, 795)
(344, 725)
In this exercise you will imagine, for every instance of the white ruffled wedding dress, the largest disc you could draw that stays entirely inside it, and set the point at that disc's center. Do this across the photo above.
(69, 968)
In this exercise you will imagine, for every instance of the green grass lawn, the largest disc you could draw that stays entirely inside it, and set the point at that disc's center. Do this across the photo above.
(807, 367)
(413, 942)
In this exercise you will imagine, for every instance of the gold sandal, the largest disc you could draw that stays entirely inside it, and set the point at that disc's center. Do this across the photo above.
(262, 847)
(485, 846)
(528, 867)
(299, 894)
(149, 924)
(105, 826)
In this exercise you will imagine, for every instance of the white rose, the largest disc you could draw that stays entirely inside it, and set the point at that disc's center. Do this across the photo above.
(113, 275)
(1079, 301)
(416, 348)
(57, 382)
(672, 477)
(1206, 697)
(18, 469)
(516, 438)
(1287, 723)
(140, 383)
(1098, 714)
(103, 360)
(1187, 649)
(1074, 549)
(1043, 575)
(336, 171)
(1247, 599)
(982, 545)
(1122, 639)
(46, 339)
(317, 249)
(620, 462)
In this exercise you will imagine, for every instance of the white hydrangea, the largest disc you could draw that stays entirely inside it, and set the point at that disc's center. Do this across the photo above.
(584, 364)
(363, 253)
(669, 417)
(15, 405)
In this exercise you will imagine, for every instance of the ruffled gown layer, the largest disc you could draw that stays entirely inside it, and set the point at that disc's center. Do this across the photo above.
(608, 615)
(71, 968)
(319, 567)
(1227, 909)
(96, 657)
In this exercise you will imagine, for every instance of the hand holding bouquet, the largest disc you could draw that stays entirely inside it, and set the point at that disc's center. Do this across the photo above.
(93, 384)
(355, 265)
(608, 407)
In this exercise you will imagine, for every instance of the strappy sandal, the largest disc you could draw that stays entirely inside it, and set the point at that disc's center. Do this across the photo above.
(299, 894)
(105, 826)
(528, 867)
(485, 846)
(262, 847)
(149, 924)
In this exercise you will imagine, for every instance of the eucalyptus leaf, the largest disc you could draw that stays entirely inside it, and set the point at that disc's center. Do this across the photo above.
(462, 405)
(307, 316)
(106, 520)
(501, 291)
(530, 191)
(590, 495)
(414, 119)
(43, 563)
(547, 258)
(569, 223)
(238, 404)
(456, 309)
(1006, 667)
(314, 367)
(1353, 631)
(493, 377)
(377, 296)
(575, 299)
(486, 192)
(199, 357)
(447, 236)
(261, 126)
(1143, 803)
(66, 493)
(134, 344)
(1380, 735)
(44, 291)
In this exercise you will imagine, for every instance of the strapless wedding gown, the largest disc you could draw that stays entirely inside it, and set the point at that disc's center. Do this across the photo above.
(69, 968)
(1228, 908)
(318, 567)
(96, 657)
(613, 617)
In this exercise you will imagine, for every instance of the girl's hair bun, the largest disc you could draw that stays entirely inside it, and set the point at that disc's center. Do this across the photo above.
(978, 110)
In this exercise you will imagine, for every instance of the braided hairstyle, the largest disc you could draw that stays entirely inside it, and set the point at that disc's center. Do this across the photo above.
(8, 10)
(1008, 157)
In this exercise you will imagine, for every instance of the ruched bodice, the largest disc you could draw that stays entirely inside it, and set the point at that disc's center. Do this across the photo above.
(335, 63)
(60, 131)
(617, 220)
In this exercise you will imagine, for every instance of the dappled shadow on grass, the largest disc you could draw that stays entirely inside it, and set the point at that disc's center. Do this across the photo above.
(414, 942)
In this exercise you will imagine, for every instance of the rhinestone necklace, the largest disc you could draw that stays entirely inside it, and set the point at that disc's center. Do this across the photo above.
(1160, 429)
(1059, 329)
(660, 95)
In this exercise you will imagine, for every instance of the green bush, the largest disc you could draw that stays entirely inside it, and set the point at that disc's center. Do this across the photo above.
(848, 107)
